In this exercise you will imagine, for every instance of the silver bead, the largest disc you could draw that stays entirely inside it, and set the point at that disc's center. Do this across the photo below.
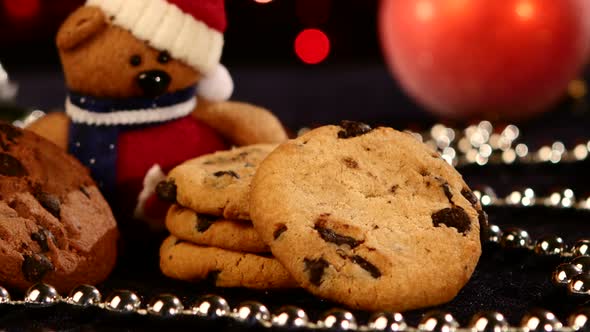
(579, 284)
(580, 320)
(564, 273)
(493, 233)
(581, 248)
(550, 246)
(290, 317)
(387, 321)
(165, 305)
(211, 307)
(338, 320)
(4, 295)
(41, 294)
(515, 238)
(539, 320)
(123, 301)
(84, 295)
(438, 321)
(582, 263)
(488, 321)
(253, 313)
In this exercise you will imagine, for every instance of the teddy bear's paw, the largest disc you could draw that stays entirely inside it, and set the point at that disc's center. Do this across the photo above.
(242, 123)
(53, 127)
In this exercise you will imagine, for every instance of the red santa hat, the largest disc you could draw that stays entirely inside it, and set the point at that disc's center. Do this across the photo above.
(190, 30)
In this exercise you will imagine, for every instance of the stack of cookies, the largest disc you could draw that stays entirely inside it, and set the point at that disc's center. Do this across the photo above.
(370, 218)
(212, 236)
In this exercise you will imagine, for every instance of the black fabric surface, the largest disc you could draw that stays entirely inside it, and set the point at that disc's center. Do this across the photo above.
(509, 282)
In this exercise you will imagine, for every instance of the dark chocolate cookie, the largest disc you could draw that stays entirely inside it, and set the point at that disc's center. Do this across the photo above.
(55, 226)
(371, 218)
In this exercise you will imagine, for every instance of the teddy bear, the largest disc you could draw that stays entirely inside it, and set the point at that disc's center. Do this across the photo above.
(146, 93)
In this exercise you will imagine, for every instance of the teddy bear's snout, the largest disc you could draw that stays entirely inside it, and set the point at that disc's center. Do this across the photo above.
(153, 82)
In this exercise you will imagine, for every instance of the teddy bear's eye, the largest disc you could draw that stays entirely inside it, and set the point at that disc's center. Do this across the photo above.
(135, 60)
(164, 57)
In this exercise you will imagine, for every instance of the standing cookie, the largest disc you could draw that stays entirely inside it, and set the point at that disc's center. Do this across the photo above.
(55, 226)
(216, 184)
(369, 218)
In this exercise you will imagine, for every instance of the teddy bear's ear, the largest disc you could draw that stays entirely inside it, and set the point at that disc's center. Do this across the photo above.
(82, 25)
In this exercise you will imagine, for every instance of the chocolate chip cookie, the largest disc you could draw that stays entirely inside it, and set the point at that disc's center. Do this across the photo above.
(216, 184)
(55, 226)
(370, 218)
(185, 261)
(212, 231)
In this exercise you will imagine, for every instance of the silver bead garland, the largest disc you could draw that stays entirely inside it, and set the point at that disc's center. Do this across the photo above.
(213, 307)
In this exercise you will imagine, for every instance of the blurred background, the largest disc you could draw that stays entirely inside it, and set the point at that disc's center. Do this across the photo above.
(310, 61)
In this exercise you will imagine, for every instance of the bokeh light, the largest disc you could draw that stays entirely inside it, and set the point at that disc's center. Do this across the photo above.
(22, 9)
(262, 1)
(312, 46)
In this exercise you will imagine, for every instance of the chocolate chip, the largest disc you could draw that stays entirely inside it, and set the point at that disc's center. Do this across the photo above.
(85, 191)
(3, 145)
(166, 191)
(10, 166)
(10, 132)
(35, 267)
(49, 202)
(394, 188)
(350, 163)
(316, 269)
(212, 276)
(353, 129)
(279, 229)
(230, 173)
(482, 217)
(470, 196)
(366, 265)
(329, 235)
(448, 193)
(204, 221)
(42, 237)
(453, 217)
(424, 172)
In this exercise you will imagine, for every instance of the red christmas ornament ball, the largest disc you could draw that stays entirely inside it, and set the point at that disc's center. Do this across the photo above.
(468, 58)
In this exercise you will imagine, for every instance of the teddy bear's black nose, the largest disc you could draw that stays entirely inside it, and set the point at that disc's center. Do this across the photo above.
(153, 82)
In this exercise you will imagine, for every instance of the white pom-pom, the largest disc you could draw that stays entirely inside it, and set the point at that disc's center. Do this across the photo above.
(217, 85)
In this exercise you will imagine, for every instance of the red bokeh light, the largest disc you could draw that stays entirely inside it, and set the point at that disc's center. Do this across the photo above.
(22, 9)
(312, 46)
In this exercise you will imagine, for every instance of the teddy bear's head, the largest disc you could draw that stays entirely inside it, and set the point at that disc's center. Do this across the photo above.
(104, 60)
(140, 48)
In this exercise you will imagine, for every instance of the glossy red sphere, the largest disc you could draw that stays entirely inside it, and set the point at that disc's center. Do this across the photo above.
(474, 58)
